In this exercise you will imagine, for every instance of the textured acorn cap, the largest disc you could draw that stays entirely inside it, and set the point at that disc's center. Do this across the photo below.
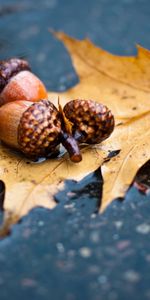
(39, 129)
(92, 122)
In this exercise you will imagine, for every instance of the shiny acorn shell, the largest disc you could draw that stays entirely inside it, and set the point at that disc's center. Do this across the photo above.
(92, 122)
(33, 128)
(17, 82)
(9, 68)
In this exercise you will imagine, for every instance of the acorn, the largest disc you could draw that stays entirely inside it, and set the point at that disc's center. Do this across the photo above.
(18, 83)
(35, 128)
(31, 127)
(92, 122)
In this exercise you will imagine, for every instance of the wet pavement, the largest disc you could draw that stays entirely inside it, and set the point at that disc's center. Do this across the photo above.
(72, 253)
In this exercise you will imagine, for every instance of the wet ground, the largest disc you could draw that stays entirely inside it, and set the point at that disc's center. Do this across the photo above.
(72, 253)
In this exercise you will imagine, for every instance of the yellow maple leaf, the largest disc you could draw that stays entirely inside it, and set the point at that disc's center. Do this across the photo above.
(121, 83)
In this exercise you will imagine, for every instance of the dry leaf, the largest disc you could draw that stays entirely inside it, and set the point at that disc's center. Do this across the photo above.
(30, 184)
(121, 83)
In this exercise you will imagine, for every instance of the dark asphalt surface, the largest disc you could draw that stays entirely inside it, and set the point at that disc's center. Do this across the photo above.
(71, 253)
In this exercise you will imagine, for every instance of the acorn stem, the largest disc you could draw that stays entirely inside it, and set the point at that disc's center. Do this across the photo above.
(71, 146)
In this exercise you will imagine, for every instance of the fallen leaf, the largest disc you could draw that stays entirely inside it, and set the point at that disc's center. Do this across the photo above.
(121, 83)
(30, 184)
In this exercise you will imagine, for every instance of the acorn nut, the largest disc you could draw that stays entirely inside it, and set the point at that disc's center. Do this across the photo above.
(18, 83)
(37, 128)
(33, 128)
(92, 122)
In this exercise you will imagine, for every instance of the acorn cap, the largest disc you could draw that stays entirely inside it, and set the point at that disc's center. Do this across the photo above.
(92, 122)
(39, 129)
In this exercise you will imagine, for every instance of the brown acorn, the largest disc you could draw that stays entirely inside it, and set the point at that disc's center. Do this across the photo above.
(36, 129)
(92, 122)
(18, 83)
(33, 128)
